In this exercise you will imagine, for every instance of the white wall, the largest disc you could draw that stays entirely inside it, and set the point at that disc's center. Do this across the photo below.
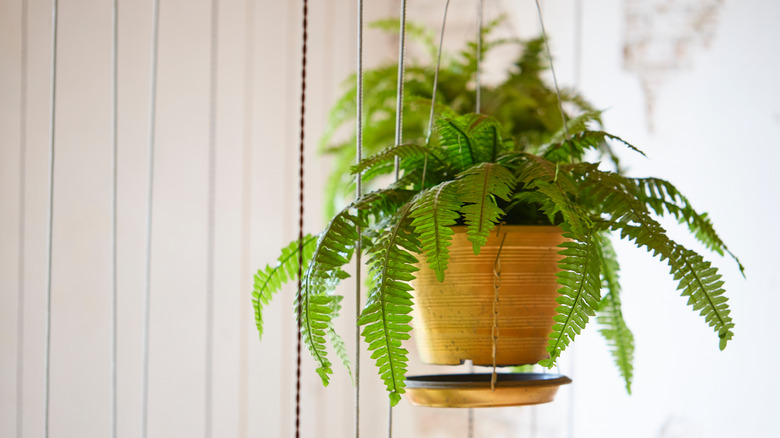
(719, 110)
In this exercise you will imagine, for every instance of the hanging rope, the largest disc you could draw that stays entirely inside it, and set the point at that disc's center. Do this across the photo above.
(300, 221)
(358, 194)
(211, 232)
(399, 105)
(433, 93)
(496, 303)
(149, 204)
(552, 70)
(22, 222)
(114, 185)
(50, 218)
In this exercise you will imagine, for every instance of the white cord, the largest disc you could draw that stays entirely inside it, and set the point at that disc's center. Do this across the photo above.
(399, 106)
(552, 70)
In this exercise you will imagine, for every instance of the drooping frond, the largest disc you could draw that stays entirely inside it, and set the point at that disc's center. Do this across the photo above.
(339, 347)
(268, 281)
(579, 295)
(699, 281)
(469, 139)
(703, 286)
(663, 197)
(316, 308)
(576, 125)
(382, 204)
(478, 189)
(383, 161)
(563, 150)
(610, 315)
(386, 313)
(316, 304)
(434, 213)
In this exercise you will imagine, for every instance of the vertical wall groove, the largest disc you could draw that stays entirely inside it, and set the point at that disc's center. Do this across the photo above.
(210, 232)
(22, 223)
(50, 219)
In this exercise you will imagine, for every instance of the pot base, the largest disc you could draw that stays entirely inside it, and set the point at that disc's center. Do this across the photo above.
(473, 390)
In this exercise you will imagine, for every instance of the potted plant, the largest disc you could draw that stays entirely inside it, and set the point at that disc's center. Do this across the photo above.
(454, 192)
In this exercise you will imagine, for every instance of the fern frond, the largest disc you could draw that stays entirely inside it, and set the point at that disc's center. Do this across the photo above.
(696, 277)
(386, 313)
(316, 306)
(579, 295)
(316, 309)
(383, 161)
(663, 197)
(576, 125)
(610, 315)
(703, 286)
(478, 189)
(434, 214)
(339, 347)
(469, 139)
(568, 151)
(268, 281)
(382, 204)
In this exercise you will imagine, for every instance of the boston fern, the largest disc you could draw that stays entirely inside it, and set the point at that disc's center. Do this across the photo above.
(470, 175)
(522, 102)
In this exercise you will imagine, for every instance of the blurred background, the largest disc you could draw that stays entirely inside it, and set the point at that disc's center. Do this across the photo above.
(691, 82)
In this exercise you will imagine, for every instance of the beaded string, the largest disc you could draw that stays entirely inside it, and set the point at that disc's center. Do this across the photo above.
(300, 219)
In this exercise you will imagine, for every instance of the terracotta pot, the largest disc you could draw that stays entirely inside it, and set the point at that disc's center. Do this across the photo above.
(453, 320)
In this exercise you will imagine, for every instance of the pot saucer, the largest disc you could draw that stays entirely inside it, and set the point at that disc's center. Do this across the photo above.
(473, 390)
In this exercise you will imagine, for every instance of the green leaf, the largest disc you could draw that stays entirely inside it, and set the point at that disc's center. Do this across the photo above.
(579, 294)
(663, 197)
(338, 343)
(269, 280)
(618, 197)
(558, 185)
(386, 314)
(434, 213)
(470, 139)
(478, 188)
(315, 304)
(388, 155)
(610, 315)
(703, 286)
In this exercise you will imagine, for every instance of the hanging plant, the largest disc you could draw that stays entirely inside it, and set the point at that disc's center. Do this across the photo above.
(473, 175)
